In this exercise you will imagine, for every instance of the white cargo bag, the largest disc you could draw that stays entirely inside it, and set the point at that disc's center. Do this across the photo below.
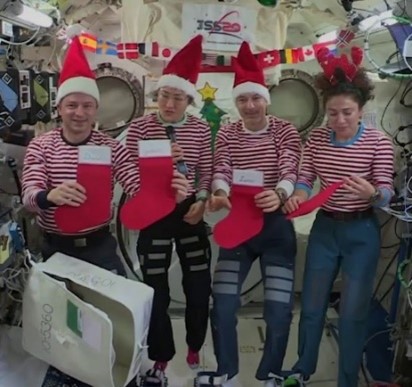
(86, 321)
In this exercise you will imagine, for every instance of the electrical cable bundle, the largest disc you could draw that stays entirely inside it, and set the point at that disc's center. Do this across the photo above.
(12, 283)
(406, 283)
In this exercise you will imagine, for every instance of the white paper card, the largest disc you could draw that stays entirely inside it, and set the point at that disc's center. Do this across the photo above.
(95, 154)
(248, 177)
(155, 148)
(91, 331)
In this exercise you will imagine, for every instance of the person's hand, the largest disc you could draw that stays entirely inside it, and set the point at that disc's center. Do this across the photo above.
(268, 201)
(359, 187)
(68, 193)
(218, 202)
(195, 213)
(177, 152)
(293, 203)
(181, 185)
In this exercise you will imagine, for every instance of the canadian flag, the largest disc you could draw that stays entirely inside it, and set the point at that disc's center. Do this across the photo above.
(309, 52)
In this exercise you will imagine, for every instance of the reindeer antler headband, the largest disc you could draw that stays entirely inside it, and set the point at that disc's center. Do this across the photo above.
(330, 63)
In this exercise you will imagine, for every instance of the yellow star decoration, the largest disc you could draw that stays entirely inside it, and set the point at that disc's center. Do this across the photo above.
(207, 92)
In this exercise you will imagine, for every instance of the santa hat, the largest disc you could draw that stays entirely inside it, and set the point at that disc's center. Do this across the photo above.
(183, 70)
(249, 76)
(76, 75)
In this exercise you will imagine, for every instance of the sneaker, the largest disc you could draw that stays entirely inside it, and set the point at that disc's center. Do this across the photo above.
(274, 381)
(295, 380)
(192, 359)
(154, 378)
(209, 379)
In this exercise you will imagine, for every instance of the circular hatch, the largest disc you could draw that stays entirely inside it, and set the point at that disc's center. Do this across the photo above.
(296, 100)
(121, 98)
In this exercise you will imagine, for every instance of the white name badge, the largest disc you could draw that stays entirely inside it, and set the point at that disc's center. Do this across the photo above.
(248, 177)
(95, 154)
(155, 148)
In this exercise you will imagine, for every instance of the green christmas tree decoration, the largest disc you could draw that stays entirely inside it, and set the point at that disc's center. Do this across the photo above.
(213, 115)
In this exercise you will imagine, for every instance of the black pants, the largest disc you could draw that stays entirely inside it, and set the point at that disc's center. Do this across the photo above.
(154, 248)
(97, 248)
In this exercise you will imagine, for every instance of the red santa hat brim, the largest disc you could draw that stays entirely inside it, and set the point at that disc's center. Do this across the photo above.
(251, 87)
(171, 80)
(82, 85)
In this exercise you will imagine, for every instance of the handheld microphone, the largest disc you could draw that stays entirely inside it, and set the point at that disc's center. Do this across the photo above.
(180, 165)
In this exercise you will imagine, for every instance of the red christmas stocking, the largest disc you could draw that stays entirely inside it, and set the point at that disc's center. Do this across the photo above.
(156, 197)
(244, 220)
(316, 201)
(94, 173)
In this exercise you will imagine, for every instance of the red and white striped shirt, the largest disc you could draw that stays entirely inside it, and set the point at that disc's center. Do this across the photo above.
(193, 135)
(50, 160)
(275, 151)
(369, 155)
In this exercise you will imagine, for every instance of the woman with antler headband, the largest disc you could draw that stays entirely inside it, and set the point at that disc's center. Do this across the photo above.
(346, 233)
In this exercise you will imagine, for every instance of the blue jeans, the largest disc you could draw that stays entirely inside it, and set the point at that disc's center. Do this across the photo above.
(353, 246)
(276, 248)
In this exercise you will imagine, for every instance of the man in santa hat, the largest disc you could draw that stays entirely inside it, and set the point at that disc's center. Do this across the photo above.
(51, 169)
(270, 145)
(175, 92)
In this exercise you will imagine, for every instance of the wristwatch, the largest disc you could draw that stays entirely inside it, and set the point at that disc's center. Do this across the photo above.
(375, 196)
(282, 195)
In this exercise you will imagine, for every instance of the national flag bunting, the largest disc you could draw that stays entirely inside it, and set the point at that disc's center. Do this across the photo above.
(88, 41)
(128, 50)
(106, 48)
